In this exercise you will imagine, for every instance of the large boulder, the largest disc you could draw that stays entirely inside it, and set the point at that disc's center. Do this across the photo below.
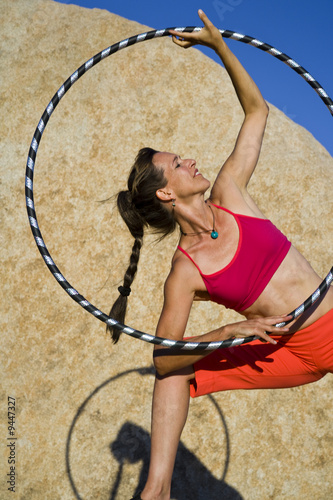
(83, 405)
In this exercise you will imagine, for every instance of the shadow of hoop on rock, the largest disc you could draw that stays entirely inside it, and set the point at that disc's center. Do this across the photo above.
(108, 446)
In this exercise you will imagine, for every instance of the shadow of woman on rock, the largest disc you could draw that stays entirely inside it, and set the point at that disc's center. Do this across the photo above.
(191, 480)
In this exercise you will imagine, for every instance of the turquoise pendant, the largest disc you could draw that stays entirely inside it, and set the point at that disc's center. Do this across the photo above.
(214, 235)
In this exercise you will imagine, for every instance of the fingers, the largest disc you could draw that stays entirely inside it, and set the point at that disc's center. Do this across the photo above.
(204, 18)
(180, 41)
(206, 35)
(270, 328)
(285, 319)
(266, 338)
(272, 324)
(261, 328)
(184, 39)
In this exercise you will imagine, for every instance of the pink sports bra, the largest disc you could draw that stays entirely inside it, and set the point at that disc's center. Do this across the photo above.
(261, 249)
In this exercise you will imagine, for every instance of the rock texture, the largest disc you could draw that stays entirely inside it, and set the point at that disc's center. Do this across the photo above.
(83, 405)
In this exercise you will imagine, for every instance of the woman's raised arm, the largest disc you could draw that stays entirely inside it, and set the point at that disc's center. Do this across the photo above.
(242, 161)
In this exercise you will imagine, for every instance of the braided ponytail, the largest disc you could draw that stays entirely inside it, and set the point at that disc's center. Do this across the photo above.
(140, 208)
(118, 310)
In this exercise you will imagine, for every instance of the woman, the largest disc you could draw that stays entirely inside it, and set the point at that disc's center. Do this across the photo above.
(231, 254)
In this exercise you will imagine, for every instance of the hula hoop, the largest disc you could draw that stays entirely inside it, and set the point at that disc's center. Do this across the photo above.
(72, 292)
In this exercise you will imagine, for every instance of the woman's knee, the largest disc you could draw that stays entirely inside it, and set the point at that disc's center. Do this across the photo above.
(183, 375)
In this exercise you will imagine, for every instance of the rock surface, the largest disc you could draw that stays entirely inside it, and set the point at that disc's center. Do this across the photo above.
(83, 405)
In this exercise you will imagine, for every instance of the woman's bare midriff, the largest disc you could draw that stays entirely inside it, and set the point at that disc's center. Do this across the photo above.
(291, 285)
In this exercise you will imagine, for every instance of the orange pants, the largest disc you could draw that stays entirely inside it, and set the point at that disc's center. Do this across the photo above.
(297, 359)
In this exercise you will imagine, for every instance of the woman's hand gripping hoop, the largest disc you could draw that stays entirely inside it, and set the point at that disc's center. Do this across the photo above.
(74, 294)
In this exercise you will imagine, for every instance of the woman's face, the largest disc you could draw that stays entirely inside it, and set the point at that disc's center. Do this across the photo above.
(184, 179)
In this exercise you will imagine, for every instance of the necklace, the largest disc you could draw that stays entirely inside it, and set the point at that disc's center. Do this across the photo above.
(213, 234)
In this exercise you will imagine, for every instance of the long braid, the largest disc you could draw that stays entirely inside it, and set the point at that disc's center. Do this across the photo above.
(139, 208)
(118, 310)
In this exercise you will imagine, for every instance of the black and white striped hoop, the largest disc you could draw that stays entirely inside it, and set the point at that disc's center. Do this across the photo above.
(72, 292)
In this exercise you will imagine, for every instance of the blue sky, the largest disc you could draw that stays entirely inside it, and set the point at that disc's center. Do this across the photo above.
(300, 28)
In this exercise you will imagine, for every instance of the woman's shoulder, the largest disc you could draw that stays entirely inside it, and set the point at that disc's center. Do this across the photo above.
(181, 262)
(237, 203)
(226, 193)
(183, 271)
